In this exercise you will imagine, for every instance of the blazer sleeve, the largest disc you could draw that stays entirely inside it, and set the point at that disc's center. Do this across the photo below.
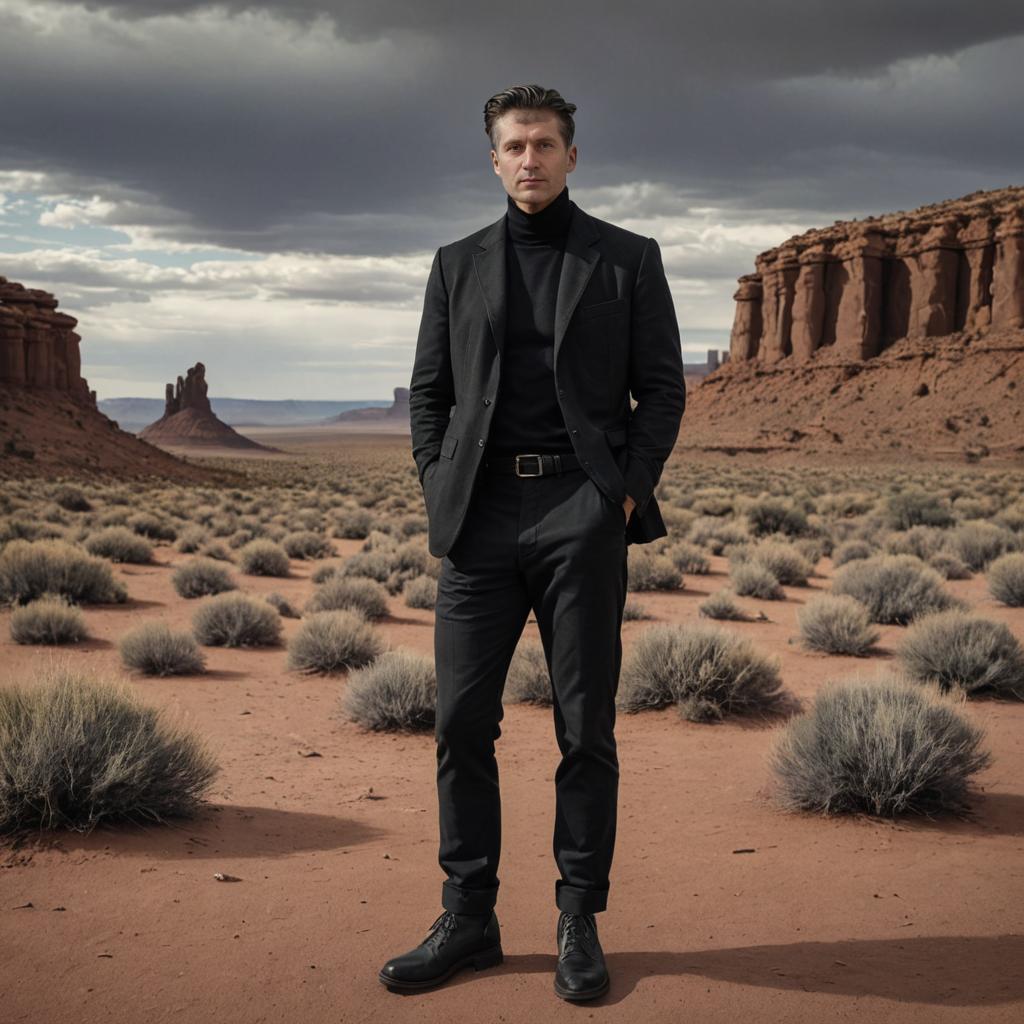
(655, 378)
(432, 387)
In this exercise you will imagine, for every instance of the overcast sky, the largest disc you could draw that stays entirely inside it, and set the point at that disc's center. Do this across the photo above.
(263, 186)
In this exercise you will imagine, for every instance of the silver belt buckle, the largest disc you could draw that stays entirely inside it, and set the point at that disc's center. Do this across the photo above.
(540, 467)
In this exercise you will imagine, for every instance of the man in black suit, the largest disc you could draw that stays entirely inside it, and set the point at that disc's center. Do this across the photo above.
(537, 473)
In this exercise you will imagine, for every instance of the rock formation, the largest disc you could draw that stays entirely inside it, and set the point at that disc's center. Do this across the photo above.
(38, 345)
(396, 413)
(899, 335)
(189, 420)
(859, 286)
(49, 422)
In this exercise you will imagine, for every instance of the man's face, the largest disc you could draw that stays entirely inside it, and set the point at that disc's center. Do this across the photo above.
(531, 158)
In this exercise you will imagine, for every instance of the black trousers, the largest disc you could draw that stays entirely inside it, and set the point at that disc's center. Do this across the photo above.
(555, 545)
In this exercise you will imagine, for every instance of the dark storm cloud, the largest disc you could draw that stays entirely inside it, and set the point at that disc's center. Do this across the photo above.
(357, 127)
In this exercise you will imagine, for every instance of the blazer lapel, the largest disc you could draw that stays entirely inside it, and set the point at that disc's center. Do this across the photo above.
(577, 265)
(489, 264)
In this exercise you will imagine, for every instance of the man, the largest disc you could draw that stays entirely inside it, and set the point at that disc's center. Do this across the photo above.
(536, 474)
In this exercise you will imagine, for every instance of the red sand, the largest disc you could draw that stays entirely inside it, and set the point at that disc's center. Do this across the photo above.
(826, 920)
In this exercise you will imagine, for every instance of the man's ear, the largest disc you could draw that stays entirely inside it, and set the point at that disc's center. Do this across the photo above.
(572, 159)
(494, 162)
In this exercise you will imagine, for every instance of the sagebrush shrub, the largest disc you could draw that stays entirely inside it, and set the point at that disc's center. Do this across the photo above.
(633, 610)
(836, 624)
(884, 748)
(72, 499)
(753, 579)
(152, 526)
(1005, 579)
(155, 650)
(851, 550)
(264, 558)
(339, 592)
(775, 515)
(306, 544)
(528, 680)
(650, 571)
(119, 544)
(978, 543)
(75, 752)
(705, 671)
(200, 578)
(420, 592)
(48, 620)
(957, 650)
(236, 620)
(30, 569)
(721, 605)
(284, 607)
(916, 507)
(895, 589)
(334, 641)
(396, 692)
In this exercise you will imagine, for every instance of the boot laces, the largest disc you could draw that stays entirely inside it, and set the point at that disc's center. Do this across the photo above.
(442, 928)
(573, 926)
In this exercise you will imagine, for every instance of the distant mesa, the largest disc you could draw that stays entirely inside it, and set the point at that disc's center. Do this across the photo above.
(189, 421)
(397, 412)
(902, 331)
(49, 421)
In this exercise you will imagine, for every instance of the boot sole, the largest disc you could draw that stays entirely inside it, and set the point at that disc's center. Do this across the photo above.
(584, 995)
(478, 961)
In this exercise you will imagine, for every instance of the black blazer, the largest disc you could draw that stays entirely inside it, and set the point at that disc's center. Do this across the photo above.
(615, 334)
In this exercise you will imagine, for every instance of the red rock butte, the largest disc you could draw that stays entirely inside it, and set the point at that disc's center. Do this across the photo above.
(49, 421)
(189, 419)
(861, 285)
(38, 345)
(889, 337)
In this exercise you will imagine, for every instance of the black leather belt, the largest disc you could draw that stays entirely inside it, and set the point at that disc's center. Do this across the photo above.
(543, 464)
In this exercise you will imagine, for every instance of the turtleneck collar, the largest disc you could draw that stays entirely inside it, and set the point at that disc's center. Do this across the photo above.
(549, 225)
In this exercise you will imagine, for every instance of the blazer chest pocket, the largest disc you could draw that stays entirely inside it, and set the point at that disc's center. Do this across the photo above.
(448, 446)
(608, 308)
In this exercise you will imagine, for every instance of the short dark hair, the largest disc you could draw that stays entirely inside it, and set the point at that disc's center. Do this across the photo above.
(529, 97)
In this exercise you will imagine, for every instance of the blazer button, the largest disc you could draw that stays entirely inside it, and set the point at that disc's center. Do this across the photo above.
(561, 391)
(487, 401)
(575, 432)
(481, 442)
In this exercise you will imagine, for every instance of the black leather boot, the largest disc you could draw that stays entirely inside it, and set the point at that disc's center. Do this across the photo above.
(454, 941)
(581, 972)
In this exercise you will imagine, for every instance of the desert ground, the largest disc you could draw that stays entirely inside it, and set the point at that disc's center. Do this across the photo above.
(723, 907)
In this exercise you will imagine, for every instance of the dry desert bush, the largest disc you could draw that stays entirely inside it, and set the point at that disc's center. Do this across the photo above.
(705, 671)
(957, 650)
(420, 592)
(154, 649)
(722, 605)
(397, 692)
(119, 544)
(30, 569)
(366, 595)
(49, 619)
(896, 589)
(528, 680)
(236, 620)
(334, 641)
(836, 624)
(754, 579)
(1005, 579)
(883, 748)
(200, 578)
(264, 558)
(649, 570)
(76, 752)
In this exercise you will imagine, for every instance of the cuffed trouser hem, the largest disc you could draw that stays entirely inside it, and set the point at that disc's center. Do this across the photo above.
(575, 900)
(468, 901)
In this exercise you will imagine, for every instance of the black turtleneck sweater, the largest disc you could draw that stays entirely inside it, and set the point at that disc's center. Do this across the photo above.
(527, 416)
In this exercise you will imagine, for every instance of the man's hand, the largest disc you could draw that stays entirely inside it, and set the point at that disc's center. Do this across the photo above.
(627, 506)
